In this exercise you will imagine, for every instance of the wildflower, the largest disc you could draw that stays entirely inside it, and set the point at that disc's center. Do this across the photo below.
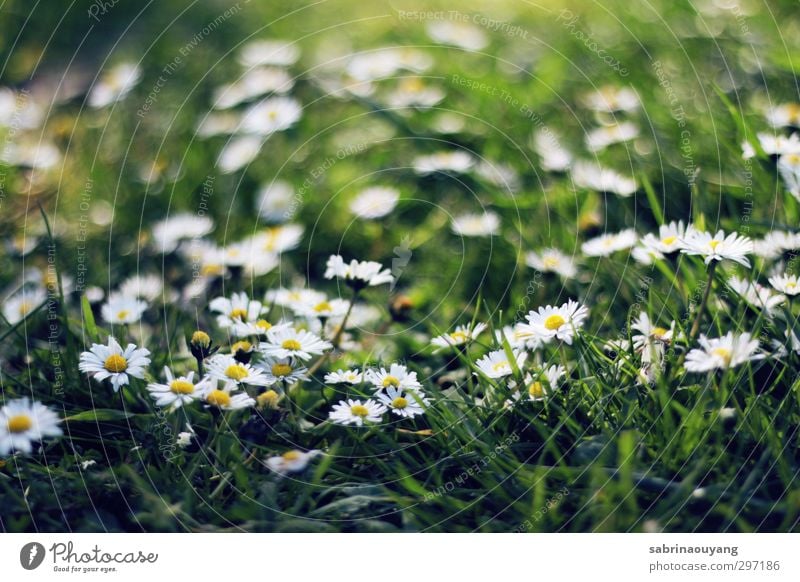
(540, 384)
(112, 362)
(649, 333)
(177, 391)
(607, 244)
(19, 306)
(602, 137)
(268, 399)
(718, 247)
(123, 310)
(225, 398)
(356, 412)
(23, 423)
(292, 461)
(147, 287)
(609, 99)
(397, 376)
(276, 201)
(261, 52)
(375, 202)
(323, 309)
(358, 274)
(284, 370)
(786, 284)
(755, 294)
(553, 157)
(407, 404)
(789, 168)
(254, 83)
(485, 224)
(271, 115)
(115, 84)
(457, 33)
(287, 342)
(344, 377)
(669, 239)
(592, 176)
(184, 439)
(773, 145)
(457, 162)
(463, 334)
(784, 115)
(728, 351)
(552, 261)
(168, 233)
(496, 364)
(557, 322)
(645, 255)
(236, 310)
(228, 369)
(238, 152)
(277, 239)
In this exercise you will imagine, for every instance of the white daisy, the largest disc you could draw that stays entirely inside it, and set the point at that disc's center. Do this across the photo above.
(225, 368)
(259, 52)
(463, 334)
(496, 364)
(553, 157)
(646, 255)
(277, 239)
(291, 343)
(385, 62)
(773, 145)
(258, 327)
(122, 309)
(561, 323)
(499, 174)
(540, 384)
(407, 404)
(168, 233)
(217, 123)
(609, 243)
(669, 238)
(224, 398)
(112, 362)
(609, 99)
(649, 333)
(396, 376)
(277, 202)
(458, 162)
(115, 84)
(19, 306)
(755, 294)
(357, 274)
(520, 336)
(784, 115)
(254, 83)
(484, 224)
(413, 92)
(786, 284)
(602, 137)
(293, 461)
(789, 168)
(344, 377)
(356, 412)
(22, 424)
(148, 287)
(728, 351)
(238, 309)
(295, 297)
(271, 115)
(775, 243)
(238, 152)
(718, 247)
(375, 202)
(592, 176)
(457, 33)
(552, 261)
(328, 308)
(284, 370)
(177, 391)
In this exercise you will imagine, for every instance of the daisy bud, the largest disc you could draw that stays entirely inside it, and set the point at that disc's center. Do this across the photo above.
(242, 351)
(200, 345)
(268, 399)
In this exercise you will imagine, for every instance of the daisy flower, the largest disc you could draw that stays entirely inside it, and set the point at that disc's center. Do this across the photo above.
(458, 162)
(226, 368)
(284, 370)
(463, 334)
(485, 224)
(22, 424)
(669, 239)
(557, 322)
(238, 152)
(177, 391)
(292, 298)
(773, 145)
(112, 362)
(356, 412)
(457, 33)
(19, 306)
(168, 233)
(375, 202)
(236, 310)
(755, 294)
(775, 243)
(407, 404)
(358, 274)
(496, 365)
(540, 384)
(148, 287)
(258, 327)
(718, 247)
(645, 255)
(592, 176)
(254, 83)
(276, 201)
(784, 115)
(609, 99)
(344, 377)
(413, 92)
(397, 376)
(290, 343)
(602, 137)
(789, 168)
(728, 351)
(115, 84)
(786, 284)
(293, 461)
(648, 332)
(519, 336)
(271, 115)
(261, 52)
(323, 309)
(553, 157)
(277, 239)
(552, 261)
(607, 244)
(224, 398)
(122, 309)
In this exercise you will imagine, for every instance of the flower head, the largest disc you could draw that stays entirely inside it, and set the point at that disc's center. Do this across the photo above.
(718, 247)
(292, 461)
(177, 390)
(288, 342)
(484, 224)
(786, 284)
(357, 413)
(344, 377)
(225, 368)
(729, 351)
(358, 274)
(463, 334)
(122, 309)
(497, 365)
(22, 424)
(669, 238)
(397, 376)
(375, 202)
(552, 261)
(552, 322)
(609, 243)
(112, 362)
(405, 403)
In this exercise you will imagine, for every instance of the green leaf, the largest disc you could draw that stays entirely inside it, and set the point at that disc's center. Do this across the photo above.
(99, 415)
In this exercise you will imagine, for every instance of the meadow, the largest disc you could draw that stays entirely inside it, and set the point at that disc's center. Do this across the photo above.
(339, 266)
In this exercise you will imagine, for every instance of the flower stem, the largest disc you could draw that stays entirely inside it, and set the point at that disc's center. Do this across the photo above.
(703, 302)
(335, 341)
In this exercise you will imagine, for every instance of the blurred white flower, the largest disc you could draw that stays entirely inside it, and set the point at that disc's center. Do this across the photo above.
(789, 168)
(496, 364)
(609, 243)
(485, 224)
(718, 247)
(19, 306)
(457, 33)
(594, 177)
(122, 309)
(756, 295)
(276, 201)
(463, 334)
(786, 284)
(729, 351)
(609, 99)
(554, 158)
(293, 461)
(552, 261)
(238, 152)
(115, 84)
(24, 423)
(271, 115)
(602, 137)
(169, 232)
(456, 161)
(356, 412)
(669, 239)
(374, 202)
(784, 115)
(358, 274)
(344, 377)
(252, 84)
(261, 52)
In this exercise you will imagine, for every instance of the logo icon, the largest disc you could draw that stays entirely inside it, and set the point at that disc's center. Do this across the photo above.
(31, 555)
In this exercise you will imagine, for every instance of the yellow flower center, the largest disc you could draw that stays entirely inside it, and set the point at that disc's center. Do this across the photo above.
(550, 262)
(291, 455)
(723, 353)
(115, 363)
(236, 372)
(659, 331)
(400, 403)
(281, 369)
(241, 346)
(500, 366)
(322, 306)
(791, 285)
(459, 336)
(24, 308)
(218, 398)
(181, 387)
(269, 398)
(211, 270)
(263, 324)
(19, 423)
(291, 344)
(201, 338)
(669, 240)
(391, 381)
(553, 322)
(359, 410)
(239, 313)
(123, 314)
(714, 244)
(536, 390)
